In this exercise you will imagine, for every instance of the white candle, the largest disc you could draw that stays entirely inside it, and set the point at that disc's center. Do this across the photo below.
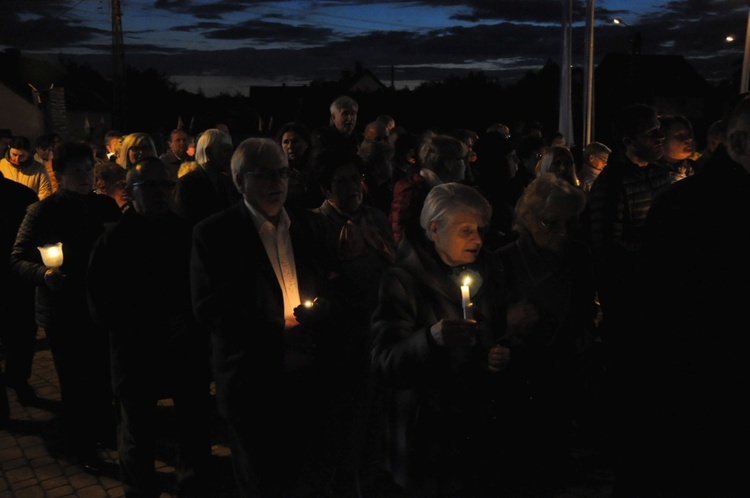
(466, 299)
(52, 255)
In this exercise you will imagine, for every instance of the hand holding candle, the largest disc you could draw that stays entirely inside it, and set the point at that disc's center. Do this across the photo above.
(312, 312)
(466, 299)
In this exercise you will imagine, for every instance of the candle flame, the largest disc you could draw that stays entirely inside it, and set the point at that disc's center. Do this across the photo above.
(467, 281)
(308, 304)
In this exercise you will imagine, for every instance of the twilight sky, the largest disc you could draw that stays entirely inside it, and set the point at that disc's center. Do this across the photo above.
(225, 46)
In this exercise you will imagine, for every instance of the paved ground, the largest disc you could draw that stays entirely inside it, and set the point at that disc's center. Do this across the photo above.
(34, 463)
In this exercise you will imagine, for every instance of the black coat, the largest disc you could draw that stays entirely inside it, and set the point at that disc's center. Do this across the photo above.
(139, 290)
(196, 196)
(237, 297)
(76, 221)
(435, 396)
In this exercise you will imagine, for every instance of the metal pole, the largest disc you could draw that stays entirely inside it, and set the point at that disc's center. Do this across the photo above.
(565, 120)
(118, 70)
(588, 104)
(746, 58)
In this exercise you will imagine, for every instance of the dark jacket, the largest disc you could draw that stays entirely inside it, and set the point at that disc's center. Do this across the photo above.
(14, 200)
(237, 297)
(689, 374)
(435, 396)
(198, 196)
(139, 290)
(77, 221)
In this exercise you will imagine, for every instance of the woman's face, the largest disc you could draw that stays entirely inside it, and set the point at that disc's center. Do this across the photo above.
(555, 227)
(459, 239)
(345, 191)
(17, 156)
(678, 142)
(294, 146)
(139, 150)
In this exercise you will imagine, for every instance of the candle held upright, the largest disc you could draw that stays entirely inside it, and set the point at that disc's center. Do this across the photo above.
(466, 299)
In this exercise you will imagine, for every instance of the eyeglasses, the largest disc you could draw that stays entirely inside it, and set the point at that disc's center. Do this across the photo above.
(139, 148)
(269, 174)
(154, 184)
(555, 225)
(602, 159)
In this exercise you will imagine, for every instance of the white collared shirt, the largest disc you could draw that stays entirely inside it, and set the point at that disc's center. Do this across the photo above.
(278, 246)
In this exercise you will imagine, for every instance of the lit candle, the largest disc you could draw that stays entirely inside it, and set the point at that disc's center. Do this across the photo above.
(308, 304)
(52, 255)
(466, 299)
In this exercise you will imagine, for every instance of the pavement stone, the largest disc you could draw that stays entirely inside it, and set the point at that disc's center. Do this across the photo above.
(34, 464)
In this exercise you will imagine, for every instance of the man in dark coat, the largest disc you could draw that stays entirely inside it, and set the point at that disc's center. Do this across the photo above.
(684, 398)
(157, 349)
(75, 216)
(252, 266)
(18, 333)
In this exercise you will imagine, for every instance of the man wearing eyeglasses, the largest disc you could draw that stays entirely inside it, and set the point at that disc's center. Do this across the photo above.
(157, 349)
(686, 401)
(595, 157)
(253, 264)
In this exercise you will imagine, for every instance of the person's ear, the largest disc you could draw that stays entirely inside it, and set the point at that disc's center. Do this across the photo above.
(738, 142)
(433, 230)
(238, 183)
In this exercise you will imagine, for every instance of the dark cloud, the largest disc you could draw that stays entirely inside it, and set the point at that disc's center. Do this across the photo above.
(280, 44)
(269, 31)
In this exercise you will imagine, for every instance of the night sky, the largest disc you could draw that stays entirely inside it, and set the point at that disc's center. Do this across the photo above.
(228, 45)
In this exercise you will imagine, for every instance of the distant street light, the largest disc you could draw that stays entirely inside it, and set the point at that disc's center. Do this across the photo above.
(636, 35)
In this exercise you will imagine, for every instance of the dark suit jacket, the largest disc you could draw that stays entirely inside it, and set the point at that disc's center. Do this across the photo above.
(236, 296)
(155, 344)
(197, 198)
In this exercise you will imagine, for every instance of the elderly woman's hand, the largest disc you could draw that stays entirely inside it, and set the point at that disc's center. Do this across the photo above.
(498, 358)
(455, 332)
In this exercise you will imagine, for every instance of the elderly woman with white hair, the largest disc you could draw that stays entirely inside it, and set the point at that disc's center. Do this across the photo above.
(208, 188)
(436, 345)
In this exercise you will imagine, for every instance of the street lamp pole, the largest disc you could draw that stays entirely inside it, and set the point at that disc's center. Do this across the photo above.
(746, 57)
(637, 40)
(588, 105)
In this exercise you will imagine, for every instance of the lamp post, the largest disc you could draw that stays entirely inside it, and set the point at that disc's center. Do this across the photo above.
(588, 104)
(636, 35)
(746, 56)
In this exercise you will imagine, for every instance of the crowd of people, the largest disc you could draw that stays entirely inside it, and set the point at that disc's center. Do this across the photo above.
(445, 310)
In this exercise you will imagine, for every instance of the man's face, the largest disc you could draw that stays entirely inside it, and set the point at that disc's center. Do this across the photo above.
(152, 191)
(345, 192)
(599, 161)
(648, 144)
(78, 176)
(45, 153)
(112, 145)
(179, 143)
(345, 120)
(294, 145)
(265, 185)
